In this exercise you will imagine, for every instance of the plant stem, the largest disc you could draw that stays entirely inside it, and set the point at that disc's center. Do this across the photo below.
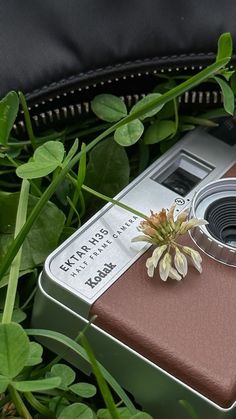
(166, 97)
(15, 267)
(18, 402)
(77, 192)
(114, 202)
(38, 406)
(31, 296)
(28, 124)
(105, 391)
(198, 121)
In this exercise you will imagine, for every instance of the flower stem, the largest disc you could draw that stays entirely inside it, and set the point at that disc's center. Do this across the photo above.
(113, 201)
(38, 406)
(15, 267)
(18, 402)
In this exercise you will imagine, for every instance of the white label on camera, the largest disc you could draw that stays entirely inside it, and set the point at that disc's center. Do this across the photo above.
(99, 255)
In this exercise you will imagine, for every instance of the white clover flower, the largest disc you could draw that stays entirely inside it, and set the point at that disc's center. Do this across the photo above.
(162, 230)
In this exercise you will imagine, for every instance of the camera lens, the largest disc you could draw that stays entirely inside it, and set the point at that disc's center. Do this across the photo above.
(221, 216)
(229, 235)
(216, 202)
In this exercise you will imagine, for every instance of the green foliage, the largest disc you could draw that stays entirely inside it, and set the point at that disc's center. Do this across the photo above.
(35, 354)
(37, 245)
(66, 374)
(76, 410)
(108, 107)
(225, 47)
(14, 349)
(84, 390)
(147, 100)
(45, 160)
(109, 175)
(159, 131)
(38, 385)
(124, 413)
(8, 111)
(130, 133)
(228, 95)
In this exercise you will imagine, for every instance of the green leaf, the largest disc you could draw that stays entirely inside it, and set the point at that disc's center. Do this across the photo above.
(45, 160)
(37, 244)
(14, 349)
(17, 317)
(189, 409)
(225, 47)
(227, 74)
(228, 95)
(111, 174)
(37, 385)
(71, 152)
(4, 381)
(168, 111)
(123, 412)
(83, 389)
(159, 131)
(66, 374)
(141, 415)
(35, 354)
(145, 101)
(108, 107)
(130, 133)
(233, 83)
(57, 404)
(77, 349)
(8, 111)
(76, 410)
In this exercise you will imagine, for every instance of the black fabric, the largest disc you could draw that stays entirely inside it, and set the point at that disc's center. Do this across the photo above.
(45, 44)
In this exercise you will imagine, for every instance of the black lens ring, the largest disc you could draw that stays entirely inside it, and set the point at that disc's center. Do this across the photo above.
(221, 216)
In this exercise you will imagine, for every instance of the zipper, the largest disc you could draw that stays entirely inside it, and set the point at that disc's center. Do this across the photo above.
(66, 107)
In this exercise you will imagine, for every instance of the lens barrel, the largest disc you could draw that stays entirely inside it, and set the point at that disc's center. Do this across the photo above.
(216, 202)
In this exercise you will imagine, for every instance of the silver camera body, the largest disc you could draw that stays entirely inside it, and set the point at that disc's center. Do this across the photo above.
(87, 265)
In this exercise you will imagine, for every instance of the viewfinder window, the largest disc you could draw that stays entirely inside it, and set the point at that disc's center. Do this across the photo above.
(182, 173)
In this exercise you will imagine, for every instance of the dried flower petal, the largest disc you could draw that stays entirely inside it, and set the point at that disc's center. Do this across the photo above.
(170, 214)
(151, 263)
(195, 256)
(183, 216)
(157, 254)
(150, 267)
(194, 222)
(141, 239)
(165, 266)
(173, 274)
(181, 262)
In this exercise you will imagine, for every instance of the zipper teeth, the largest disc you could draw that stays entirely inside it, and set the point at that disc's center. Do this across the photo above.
(50, 116)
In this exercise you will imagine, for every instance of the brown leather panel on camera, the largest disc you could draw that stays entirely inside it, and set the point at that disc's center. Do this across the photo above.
(187, 328)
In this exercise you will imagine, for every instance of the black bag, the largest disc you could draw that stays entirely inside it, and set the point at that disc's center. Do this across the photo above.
(61, 53)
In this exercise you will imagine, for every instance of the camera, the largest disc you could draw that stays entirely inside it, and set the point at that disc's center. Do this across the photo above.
(163, 342)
